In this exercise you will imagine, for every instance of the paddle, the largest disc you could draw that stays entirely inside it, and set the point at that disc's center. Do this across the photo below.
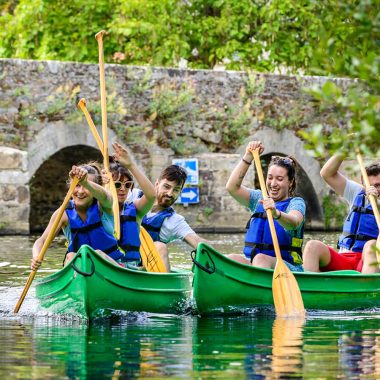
(103, 104)
(150, 257)
(373, 202)
(286, 293)
(48, 240)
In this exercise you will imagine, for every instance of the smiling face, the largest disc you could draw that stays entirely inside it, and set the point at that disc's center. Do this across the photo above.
(278, 183)
(167, 192)
(123, 186)
(82, 197)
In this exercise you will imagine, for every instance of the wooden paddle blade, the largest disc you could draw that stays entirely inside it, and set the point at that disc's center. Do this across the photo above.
(286, 293)
(149, 255)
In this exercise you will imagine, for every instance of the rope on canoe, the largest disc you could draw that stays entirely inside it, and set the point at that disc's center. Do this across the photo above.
(208, 269)
(85, 274)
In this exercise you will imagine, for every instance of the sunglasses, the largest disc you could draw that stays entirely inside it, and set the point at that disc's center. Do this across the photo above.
(126, 184)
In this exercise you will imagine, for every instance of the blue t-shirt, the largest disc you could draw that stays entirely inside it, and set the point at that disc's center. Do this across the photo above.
(296, 203)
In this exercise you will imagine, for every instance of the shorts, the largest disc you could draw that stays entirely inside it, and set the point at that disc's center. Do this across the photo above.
(343, 261)
(293, 267)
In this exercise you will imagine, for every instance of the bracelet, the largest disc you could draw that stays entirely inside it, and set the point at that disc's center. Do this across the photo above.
(278, 216)
(246, 162)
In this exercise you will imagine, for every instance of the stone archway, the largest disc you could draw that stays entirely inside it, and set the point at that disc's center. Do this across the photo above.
(50, 156)
(310, 185)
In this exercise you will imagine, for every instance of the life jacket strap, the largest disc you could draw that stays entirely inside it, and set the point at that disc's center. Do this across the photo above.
(88, 228)
(127, 218)
(270, 247)
(361, 210)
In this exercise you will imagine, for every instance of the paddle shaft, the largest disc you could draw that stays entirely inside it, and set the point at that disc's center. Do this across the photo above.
(103, 104)
(103, 101)
(82, 106)
(47, 242)
(372, 200)
(268, 212)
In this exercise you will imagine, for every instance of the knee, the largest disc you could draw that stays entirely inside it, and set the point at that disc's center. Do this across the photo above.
(369, 249)
(68, 258)
(314, 248)
(162, 248)
(263, 261)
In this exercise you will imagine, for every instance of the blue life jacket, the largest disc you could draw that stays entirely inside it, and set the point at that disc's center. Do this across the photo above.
(153, 224)
(90, 232)
(359, 226)
(259, 239)
(129, 233)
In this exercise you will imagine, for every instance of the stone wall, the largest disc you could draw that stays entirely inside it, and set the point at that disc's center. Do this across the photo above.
(14, 191)
(43, 133)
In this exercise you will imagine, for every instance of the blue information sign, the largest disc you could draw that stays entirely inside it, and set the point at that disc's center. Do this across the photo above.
(189, 195)
(191, 166)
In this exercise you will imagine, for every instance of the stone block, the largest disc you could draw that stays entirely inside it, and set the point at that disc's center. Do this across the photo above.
(11, 158)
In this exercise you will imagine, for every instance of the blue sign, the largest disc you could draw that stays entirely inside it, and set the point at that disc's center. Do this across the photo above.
(189, 195)
(191, 166)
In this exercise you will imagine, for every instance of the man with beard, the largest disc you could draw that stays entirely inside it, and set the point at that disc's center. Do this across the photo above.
(162, 222)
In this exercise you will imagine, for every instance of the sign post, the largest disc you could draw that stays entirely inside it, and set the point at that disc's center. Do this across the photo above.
(190, 192)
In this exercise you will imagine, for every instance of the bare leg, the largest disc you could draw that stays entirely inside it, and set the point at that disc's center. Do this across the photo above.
(370, 264)
(264, 261)
(239, 258)
(162, 249)
(68, 258)
(315, 255)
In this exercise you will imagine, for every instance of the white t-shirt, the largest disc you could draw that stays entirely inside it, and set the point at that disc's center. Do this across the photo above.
(173, 228)
(351, 190)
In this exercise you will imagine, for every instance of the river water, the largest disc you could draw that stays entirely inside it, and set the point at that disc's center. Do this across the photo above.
(39, 345)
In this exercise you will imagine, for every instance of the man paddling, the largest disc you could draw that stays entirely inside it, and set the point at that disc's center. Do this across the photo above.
(162, 222)
(356, 246)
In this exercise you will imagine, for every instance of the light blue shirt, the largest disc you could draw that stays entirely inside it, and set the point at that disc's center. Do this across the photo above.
(296, 203)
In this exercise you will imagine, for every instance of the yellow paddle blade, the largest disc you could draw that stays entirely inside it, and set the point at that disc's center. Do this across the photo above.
(149, 255)
(286, 293)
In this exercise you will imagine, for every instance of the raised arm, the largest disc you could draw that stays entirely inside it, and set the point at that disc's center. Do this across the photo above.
(234, 184)
(330, 173)
(145, 203)
(103, 196)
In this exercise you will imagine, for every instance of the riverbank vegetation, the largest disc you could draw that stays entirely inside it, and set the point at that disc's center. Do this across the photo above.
(338, 38)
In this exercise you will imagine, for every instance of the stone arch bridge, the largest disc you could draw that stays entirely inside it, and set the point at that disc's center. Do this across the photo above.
(33, 180)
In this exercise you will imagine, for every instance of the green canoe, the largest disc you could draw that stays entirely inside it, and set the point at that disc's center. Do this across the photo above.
(91, 285)
(222, 285)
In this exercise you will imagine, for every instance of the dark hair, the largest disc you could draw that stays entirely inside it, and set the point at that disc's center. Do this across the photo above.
(119, 171)
(290, 164)
(174, 173)
(93, 168)
(373, 169)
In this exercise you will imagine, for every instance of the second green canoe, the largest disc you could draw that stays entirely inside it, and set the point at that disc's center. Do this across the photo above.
(222, 285)
(90, 284)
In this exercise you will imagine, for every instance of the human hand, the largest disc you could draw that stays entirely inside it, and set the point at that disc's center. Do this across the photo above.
(268, 203)
(79, 172)
(35, 265)
(105, 177)
(254, 145)
(121, 155)
(371, 190)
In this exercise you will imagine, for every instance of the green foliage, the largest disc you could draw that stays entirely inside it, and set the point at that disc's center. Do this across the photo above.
(333, 37)
(334, 212)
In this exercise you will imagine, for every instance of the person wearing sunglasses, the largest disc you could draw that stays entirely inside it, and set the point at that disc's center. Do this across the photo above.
(162, 223)
(87, 219)
(132, 209)
(288, 212)
(356, 246)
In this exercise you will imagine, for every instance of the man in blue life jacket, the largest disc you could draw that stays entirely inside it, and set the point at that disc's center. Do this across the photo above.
(358, 240)
(162, 222)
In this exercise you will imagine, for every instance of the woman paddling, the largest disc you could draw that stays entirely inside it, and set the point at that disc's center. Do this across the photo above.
(87, 219)
(131, 211)
(288, 212)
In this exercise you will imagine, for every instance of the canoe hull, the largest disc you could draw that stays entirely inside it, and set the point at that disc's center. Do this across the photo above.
(78, 291)
(222, 285)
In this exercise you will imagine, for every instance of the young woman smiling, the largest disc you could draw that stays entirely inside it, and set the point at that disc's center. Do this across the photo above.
(288, 211)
